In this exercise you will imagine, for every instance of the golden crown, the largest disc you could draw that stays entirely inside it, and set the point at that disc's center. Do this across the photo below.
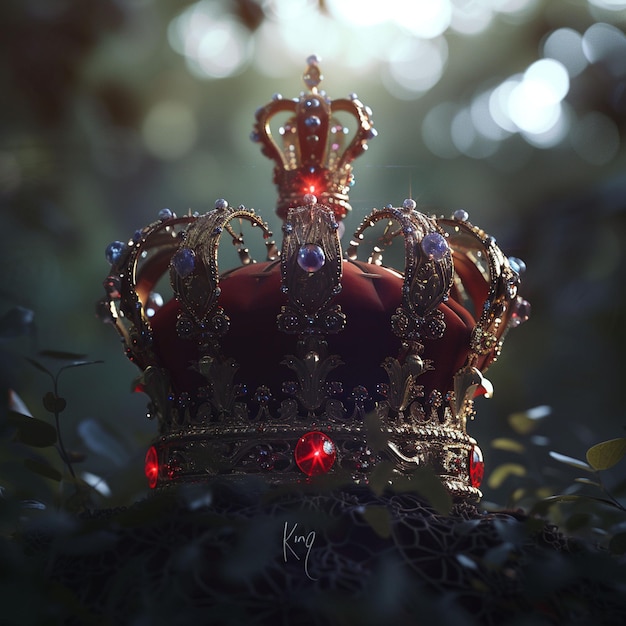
(313, 361)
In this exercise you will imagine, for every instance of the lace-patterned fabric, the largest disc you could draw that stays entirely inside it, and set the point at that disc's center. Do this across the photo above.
(231, 555)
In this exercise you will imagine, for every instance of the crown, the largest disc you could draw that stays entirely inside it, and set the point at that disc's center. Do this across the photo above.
(314, 361)
(314, 151)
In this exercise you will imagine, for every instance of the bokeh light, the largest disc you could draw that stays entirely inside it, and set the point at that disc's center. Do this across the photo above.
(609, 5)
(566, 46)
(423, 18)
(214, 43)
(415, 66)
(604, 43)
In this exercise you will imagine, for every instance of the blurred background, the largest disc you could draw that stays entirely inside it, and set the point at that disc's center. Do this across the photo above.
(514, 110)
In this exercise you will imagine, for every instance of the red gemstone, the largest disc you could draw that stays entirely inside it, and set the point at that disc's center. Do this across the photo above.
(476, 466)
(315, 453)
(151, 467)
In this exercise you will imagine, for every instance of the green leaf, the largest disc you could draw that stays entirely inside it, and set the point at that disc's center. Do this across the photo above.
(79, 364)
(502, 472)
(541, 507)
(521, 424)
(39, 366)
(379, 519)
(617, 545)
(524, 422)
(425, 482)
(376, 439)
(32, 431)
(568, 460)
(53, 403)
(587, 481)
(102, 439)
(62, 355)
(43, 469)
(605, 455)
(381, 477)
(509, 445)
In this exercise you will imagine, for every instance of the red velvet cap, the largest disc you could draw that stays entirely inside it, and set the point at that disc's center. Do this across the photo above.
(251, 298)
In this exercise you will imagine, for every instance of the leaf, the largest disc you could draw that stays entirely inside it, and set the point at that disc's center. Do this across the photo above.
(541, 507)
(605, 455)
(498, 555)
(53, 403)
(568, 460)
(379, 519)
(466, 561)
(97, 483)
(587, 481)
(32, 431)
(33, 504)
(39, 366)
(381, 477)
(524, 422)
(43, 469)
(425, 482)
(510, 445)
(16, 322)
(376, 439)
(103, 441)
(17, 404)
(502, 472)
(62, 355)
(79, 364)
(617, 545)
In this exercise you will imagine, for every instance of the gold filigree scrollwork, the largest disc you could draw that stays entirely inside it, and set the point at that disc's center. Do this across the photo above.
(428, 270)
(311, 272)
(312, 371)
(132, 278)
(194, 272)
(473, 243)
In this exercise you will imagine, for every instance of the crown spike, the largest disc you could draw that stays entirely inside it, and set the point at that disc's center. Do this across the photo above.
(314, 151)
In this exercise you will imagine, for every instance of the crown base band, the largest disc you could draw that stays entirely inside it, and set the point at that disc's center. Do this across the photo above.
(196, 454)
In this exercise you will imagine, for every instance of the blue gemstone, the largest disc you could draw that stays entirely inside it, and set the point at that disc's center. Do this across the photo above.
(461, 215)
(184, 262)
(517, 265)
(311, 257)
(313, 121)
(114, 251)
(435, 246)
(311, 103)
(165, 214)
